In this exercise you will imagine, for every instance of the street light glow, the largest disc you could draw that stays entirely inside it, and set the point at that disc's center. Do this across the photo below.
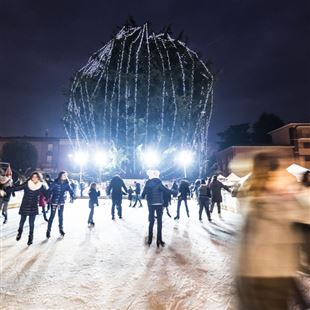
(80, 158)
(150, 158)
(101, 158)
(185, 158)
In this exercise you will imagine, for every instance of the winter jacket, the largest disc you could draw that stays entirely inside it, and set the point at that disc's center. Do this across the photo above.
(204, 192)
(175, 188)
(130, 192)
(184, 190)
(167, 198)
(216, 187)
(153, 190)
(30, 201)
(138, 189)
(116, 186)
(58, 192)
(93, 196)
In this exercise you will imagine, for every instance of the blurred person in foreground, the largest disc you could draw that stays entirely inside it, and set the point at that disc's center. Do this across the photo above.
(270, 242)
(304, 199)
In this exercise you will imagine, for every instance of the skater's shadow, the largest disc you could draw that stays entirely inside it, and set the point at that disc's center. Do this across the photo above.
(30, 263)
(177, 257)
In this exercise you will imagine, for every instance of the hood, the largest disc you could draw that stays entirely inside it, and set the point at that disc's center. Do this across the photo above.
(34, 187)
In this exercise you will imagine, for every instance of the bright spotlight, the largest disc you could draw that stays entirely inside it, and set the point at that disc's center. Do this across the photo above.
(185, 158)
(101, 158)
(80, 158)
(150, 158)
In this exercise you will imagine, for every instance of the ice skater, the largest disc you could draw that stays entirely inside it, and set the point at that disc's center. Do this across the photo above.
(184, 192)
(93, 201)
(130, 195)
(58, 192)
(137, 195)
(116, 187)
(167, 200)
(153, 191)
(216, 193)
(5, 183)
(29, 206)
(204, 196)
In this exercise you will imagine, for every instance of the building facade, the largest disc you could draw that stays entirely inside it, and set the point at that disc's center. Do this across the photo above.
(52, 152)
(291, 140)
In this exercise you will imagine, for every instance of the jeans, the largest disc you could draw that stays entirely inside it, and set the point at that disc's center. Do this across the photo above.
(204, 204)
(118, 203)
(91, 213)
(137, 198)
(180, 199)
(4, 207)
(218, 204)
(31, 223)
(60, 216)
(159, 215)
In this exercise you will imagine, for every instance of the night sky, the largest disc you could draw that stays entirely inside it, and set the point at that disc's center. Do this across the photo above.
(261, 50)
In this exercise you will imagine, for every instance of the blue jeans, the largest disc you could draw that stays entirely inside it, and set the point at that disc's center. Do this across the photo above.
(118, 203)
(91, 213)
(60, 216)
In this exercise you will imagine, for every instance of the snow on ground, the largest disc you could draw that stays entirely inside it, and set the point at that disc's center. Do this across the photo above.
(110, 267)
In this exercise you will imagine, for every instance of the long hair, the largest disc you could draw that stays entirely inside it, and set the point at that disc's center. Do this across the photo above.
(305, 177)
(60, 174)
(263, 164)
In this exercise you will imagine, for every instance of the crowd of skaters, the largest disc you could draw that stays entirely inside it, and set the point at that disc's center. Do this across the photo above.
(51, 195)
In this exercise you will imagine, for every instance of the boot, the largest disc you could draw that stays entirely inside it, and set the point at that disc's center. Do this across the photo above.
(177, 217)
(19, 235)
(5, 218)
(149, 240)
(62, 233)
(48, 234)
(160, 243)
(30, 239)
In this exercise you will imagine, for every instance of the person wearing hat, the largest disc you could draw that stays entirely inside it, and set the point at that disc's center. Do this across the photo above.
(154, 191)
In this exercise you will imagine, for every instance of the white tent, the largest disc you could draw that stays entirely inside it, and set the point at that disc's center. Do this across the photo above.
(233, 178)
(297, 171)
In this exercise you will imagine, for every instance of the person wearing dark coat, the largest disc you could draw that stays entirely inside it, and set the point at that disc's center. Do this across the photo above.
(167, 200)
(216, 187)
(204, 196)
(130, 195)
(5, 182)
(137, 195)
(30, 203)
(58, 194)
(116, 187)
(175, 189)
(153, 191)
(93, 201)
(184, 192)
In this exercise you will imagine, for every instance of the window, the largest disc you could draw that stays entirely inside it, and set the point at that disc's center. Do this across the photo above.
(49, 158)
(307, 145)
(307, 158)
(50, 147)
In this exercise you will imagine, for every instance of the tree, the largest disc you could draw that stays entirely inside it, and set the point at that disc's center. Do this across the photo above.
(235, 135)
(21, 155)
(266, 123)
